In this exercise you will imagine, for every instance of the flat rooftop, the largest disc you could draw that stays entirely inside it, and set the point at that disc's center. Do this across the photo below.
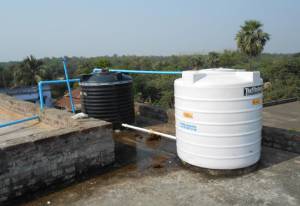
(147, 171)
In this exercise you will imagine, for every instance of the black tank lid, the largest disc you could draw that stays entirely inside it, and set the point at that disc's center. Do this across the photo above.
(104, 78)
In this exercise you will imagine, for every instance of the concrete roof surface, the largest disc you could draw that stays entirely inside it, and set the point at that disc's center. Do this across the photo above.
(148, 172)
(284, 116)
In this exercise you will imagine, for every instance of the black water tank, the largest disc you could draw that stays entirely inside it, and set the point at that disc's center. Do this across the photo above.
(108, 96)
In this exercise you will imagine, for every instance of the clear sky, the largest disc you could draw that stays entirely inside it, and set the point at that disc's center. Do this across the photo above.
(141, 27)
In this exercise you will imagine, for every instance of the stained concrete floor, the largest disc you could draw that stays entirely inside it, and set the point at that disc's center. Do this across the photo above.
(148, 172)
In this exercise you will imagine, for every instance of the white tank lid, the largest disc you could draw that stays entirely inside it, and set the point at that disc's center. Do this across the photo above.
(220, 77)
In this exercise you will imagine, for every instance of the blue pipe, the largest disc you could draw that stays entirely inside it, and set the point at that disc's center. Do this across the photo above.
(59, 81)
(18, 121)
(139, 71)
(40, 87)
(68, 84)
(95, 70)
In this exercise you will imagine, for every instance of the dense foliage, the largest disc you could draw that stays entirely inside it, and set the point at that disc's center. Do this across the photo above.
(282, 71)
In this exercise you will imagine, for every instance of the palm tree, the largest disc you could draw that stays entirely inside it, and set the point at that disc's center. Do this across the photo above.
(251, 39)
(28, 72)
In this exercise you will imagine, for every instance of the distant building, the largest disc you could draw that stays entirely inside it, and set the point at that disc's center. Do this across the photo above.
(30, 94)
(64, 102)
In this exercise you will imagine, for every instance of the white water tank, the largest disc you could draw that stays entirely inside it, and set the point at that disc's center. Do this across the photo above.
(219, 118)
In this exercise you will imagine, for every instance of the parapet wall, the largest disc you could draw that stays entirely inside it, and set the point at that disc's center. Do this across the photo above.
(18, 106)
(281, 139)
(278, 138)
(59, 157)
(54, 117)
(154, 112)
(42, 159)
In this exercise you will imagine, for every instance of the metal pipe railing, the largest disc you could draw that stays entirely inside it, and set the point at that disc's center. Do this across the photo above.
(40, 87)
(139, 71)
(19, 121)
(41, 83)
(68, 84)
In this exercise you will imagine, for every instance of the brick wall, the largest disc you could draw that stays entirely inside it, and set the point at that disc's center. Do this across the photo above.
(42, 161)
(36, 161)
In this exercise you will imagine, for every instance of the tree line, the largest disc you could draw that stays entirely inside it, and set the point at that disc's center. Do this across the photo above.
(280, 71)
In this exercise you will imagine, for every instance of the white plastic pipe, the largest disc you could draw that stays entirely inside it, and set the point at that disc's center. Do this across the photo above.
(149, 131)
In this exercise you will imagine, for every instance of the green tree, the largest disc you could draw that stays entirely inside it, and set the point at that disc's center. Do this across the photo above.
(103, 63)
(230, 58)
(27, 73)
(196, 62)
(3, 82)
(251, 39)
(85, 67)
(213, 59)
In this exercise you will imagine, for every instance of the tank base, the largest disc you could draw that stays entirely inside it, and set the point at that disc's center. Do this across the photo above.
(222, 172)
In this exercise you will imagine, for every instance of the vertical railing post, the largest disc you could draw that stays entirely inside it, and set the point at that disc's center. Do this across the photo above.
(40, 88)
(47, 82)
(68, 84)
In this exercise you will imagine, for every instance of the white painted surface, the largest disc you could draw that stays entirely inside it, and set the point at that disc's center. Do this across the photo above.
(218, 126)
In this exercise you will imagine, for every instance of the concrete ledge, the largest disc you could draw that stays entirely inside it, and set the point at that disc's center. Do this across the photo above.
(281, 101)
(279, 138)
(154, 112)
(31, 162)
(18, 106)
(283, 139)
(58, 118)
(54, 117)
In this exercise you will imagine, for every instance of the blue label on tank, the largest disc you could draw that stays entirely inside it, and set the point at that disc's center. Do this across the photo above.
(188, 126)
